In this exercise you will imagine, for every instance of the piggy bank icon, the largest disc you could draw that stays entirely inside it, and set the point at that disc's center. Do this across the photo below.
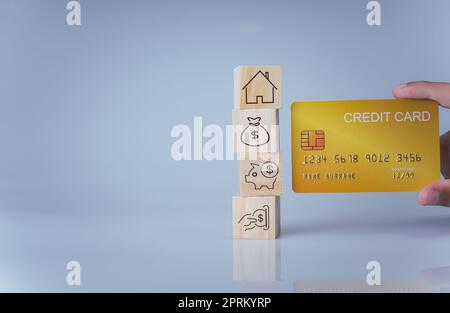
(262, 175)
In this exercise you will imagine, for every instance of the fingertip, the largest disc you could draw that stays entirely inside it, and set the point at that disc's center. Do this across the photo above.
(429, 196)
(399, 90)
(421, 199)
(400, 86)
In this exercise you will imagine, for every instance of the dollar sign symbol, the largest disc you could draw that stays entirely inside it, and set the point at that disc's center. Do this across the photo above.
(260, 218)
(254, 134)
(269, 169)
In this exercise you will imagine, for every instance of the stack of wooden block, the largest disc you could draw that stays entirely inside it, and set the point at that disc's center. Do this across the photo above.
(257, 94)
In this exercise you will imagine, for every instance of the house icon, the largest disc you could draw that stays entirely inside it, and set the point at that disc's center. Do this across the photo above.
(259, 89)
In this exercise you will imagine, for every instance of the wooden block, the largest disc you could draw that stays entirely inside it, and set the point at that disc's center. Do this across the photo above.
(261, 176)
(256, 217)
(262, 287)
(256, 131)
(257, 87)
(256, 260)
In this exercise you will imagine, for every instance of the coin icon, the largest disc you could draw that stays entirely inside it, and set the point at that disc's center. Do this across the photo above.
(269, 169)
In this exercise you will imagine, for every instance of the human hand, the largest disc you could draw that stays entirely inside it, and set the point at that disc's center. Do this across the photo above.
(259, 218)
(437, 193)
(247, 220)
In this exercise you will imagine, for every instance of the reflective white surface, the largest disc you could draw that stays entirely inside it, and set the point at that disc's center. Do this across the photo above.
(142, 252)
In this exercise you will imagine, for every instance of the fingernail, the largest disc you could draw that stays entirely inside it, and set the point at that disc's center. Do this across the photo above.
(433, 198)
(401, 86)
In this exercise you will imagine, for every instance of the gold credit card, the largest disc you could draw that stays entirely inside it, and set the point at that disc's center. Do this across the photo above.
(364, 145)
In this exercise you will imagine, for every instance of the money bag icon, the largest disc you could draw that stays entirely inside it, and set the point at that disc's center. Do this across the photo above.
(255, 135)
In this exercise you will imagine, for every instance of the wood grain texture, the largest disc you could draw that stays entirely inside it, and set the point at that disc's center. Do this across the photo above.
(257, 87)
(256, 217)
(261, 176)
(256, 261)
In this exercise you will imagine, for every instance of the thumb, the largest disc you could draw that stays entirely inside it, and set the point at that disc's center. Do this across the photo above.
(437, 193)
(439, 92)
